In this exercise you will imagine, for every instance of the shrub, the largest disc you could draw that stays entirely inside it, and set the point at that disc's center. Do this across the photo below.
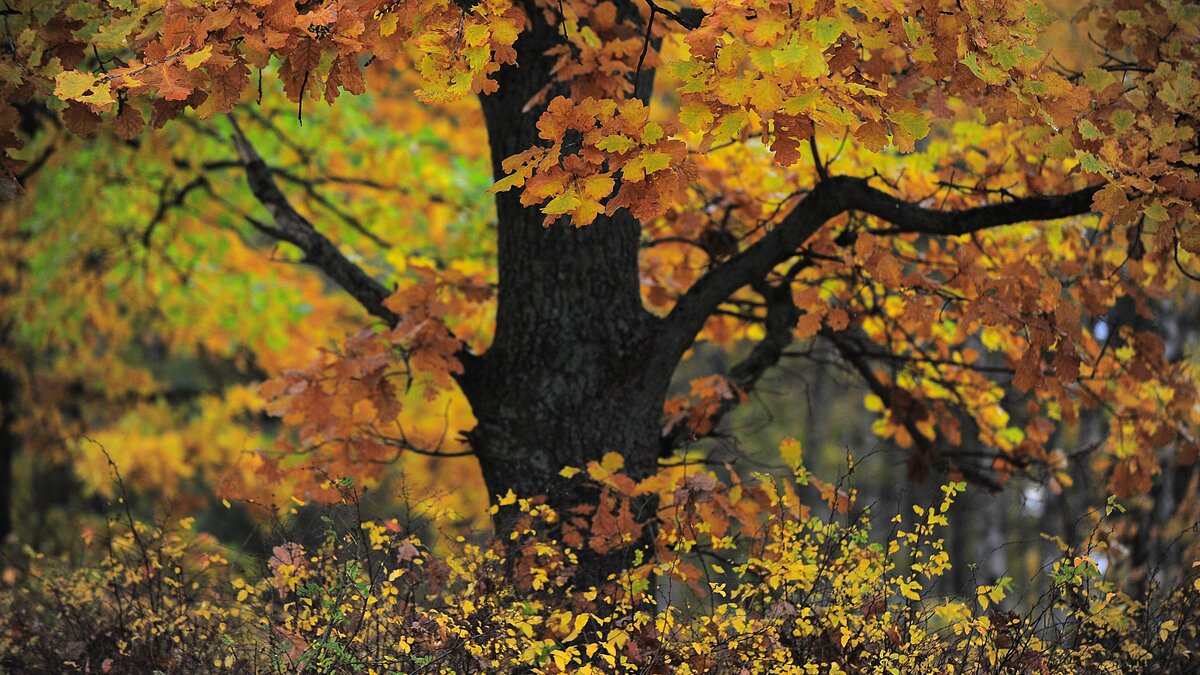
(745, 577)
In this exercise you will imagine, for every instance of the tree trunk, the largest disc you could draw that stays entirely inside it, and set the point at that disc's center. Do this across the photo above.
(8, 448)
(566, 379)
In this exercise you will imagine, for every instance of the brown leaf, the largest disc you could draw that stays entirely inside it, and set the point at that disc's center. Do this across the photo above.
(80, 119)
(128, 123)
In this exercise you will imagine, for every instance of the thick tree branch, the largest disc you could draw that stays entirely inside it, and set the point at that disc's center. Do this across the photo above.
(904, 216)
(293, 228)
(829, 198)
(679, 328)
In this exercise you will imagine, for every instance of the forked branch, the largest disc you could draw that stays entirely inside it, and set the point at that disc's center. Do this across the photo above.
(928, 451)
(829, 198)
(295, 229)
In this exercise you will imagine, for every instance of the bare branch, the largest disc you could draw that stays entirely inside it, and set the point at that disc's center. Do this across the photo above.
(908, 217)
(166, 203)
(354, 223)
(293, 228)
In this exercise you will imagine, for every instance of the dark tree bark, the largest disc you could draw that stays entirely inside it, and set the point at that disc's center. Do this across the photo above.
(9, 442)
(565, 380)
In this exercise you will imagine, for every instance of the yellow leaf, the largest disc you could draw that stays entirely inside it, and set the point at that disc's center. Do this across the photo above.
(655, 161)
(580, 623)
(730, 127)
(912, 123)
(563, 203)
(695, 117)
(197, 58)
(611, 463)
(387, 25)
(476, 34)
(873, 403)
(597, 187)
(516, 179)
(792, 452)
(618, 143)
(72, 85)
(647, 162)
(802, 103)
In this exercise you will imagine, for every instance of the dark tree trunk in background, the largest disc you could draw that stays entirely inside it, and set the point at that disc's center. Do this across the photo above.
(8, 447)
(566, 379)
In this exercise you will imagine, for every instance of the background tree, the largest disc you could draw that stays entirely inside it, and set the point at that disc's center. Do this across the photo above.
(864, 181)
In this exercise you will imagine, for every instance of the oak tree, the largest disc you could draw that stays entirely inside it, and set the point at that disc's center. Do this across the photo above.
(923, 191)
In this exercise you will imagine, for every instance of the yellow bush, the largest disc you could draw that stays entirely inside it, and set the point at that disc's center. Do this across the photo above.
(744, 578)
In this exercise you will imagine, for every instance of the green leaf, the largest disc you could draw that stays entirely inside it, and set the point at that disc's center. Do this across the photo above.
(1130, 17)
(618, 143)
(1090, 164)
(827, 29)
(1098, 79)
(1037, 14)
(696, 117)
(1157, 212)
(1089, 130)
(984, 71)
(652, 133)
(1003, 55)
(807, 57)
(112, 34)
(802, 103)
(730, 126)
(913, 30)
(912, 123)
(655, 160)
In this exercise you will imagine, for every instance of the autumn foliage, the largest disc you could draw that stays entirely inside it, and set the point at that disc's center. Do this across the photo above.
(475, 335)
(809, 592)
